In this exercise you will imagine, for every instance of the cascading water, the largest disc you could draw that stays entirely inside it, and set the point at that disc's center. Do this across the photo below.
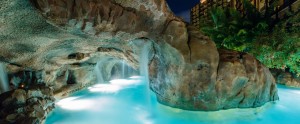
(3, 79)
(123, 69)
(129, 71)
(144, 71)
(98, 70)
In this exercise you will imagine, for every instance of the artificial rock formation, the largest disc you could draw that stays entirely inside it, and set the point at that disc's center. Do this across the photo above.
(26, 106)
(286, 78)
(64, 39)
(243, 81)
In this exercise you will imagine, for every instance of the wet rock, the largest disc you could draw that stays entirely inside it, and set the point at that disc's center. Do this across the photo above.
(20, 96)
(47, 90)
(180, 73)
(34, 93)
(286, 78)
(243, 81)
(28, 107)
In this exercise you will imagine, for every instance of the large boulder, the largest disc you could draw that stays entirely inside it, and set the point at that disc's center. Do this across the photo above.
(62, 40)
(179, 81)
(243, 81)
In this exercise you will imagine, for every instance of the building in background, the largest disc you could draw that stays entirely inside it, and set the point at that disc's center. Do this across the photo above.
(286, 6)
(201, 12)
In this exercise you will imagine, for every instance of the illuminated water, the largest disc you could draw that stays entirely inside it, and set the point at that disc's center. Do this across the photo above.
(123, 102)
(144, 71)
(98, 71)
(123, 69)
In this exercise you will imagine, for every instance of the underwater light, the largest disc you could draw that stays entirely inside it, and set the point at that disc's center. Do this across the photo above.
(136, 77)
(143, 116)
(124, 82)
(296, 92)
(61, 102)
(105, 88)
(72, 103)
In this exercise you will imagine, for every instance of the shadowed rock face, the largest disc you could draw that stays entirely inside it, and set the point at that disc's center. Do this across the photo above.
(26, 106)
(184, 66)
(286, 78)
(108, 18)
(178, 82)
(243, 81)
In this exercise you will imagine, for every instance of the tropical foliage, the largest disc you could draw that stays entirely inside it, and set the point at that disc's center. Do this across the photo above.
(277, 46)
(281, 48)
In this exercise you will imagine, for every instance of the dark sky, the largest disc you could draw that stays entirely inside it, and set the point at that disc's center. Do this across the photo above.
(182, 7)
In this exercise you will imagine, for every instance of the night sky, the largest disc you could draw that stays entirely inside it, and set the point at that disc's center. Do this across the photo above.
(182, 7)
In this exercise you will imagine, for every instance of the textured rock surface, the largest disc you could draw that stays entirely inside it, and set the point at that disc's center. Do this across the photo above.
(109, 18)
(26, 106)
(286, 78)
(178, 81)
(243, 81)
(183, 63)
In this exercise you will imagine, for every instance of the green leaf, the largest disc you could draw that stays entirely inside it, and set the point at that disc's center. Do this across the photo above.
(242, 32)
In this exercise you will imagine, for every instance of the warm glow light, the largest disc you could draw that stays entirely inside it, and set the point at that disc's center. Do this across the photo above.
(72, 104)
(202, 1)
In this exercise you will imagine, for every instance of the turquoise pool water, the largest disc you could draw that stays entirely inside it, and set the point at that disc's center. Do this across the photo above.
(126, 102)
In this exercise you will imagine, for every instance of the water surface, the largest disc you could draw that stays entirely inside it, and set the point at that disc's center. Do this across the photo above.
(125, 102)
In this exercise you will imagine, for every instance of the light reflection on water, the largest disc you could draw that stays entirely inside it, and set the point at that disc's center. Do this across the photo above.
(118, 103)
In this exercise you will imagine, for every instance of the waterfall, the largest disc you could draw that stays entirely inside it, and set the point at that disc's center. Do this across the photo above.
(3, 79)
(129, 71)
(144, 71)
(123, 69)
(144, 59)
(98, 70)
